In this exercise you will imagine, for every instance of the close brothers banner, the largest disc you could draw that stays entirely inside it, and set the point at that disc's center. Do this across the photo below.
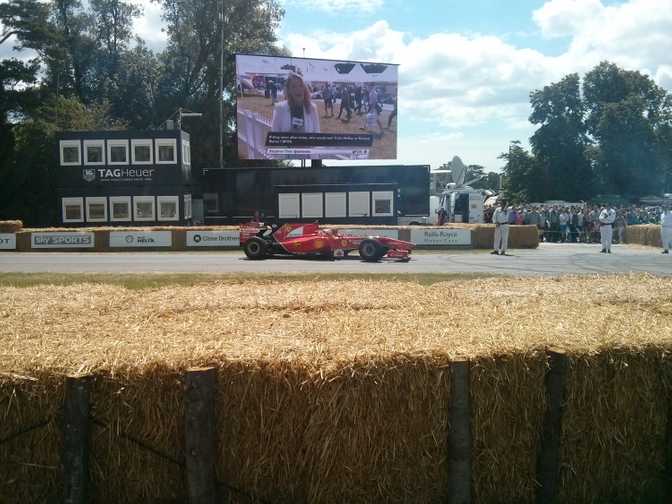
(299, 108)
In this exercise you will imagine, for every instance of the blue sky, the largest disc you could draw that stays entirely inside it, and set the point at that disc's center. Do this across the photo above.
(467, 68)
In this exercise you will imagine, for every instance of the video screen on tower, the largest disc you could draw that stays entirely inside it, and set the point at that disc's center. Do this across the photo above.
(301, 108)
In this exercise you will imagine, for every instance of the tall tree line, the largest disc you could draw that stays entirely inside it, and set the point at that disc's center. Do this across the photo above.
(610, 134)
(90, 71)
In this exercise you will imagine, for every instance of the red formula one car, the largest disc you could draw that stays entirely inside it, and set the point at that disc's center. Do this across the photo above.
(260, 241)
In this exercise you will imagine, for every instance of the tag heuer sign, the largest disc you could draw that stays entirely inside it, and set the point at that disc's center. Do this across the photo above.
(89, 174)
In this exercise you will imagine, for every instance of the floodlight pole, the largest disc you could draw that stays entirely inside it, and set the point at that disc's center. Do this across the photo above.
(221, 85)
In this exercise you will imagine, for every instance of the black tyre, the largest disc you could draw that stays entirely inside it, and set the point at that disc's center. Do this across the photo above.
(255, 248)
(370, 250)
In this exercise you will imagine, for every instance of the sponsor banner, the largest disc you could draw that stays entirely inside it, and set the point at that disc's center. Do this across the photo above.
(134, 174)
(458, 237)
(213, 238)
(389, 233)
(7, 241)
(62, 240)
(133, 239)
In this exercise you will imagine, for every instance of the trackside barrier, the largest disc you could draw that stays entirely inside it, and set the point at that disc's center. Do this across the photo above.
(197, 461)
(187, 239)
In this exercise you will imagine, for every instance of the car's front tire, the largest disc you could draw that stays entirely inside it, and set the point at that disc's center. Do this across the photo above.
(255, 248)
(369, 250)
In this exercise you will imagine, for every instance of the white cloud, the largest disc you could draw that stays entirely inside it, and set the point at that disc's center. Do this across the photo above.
(558, 18)
(337, 6)
(458, 82)
(149, 25)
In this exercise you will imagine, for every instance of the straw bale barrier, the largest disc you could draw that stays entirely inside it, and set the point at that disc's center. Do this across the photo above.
(644, 234)
(339, 391)
(10, 226)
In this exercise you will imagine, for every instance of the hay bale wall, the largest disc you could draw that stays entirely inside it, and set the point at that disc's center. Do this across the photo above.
(644, 234)
(11, 226)
(340, 391)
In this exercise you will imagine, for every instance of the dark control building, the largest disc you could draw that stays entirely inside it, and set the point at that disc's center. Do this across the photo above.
(386, 194)
(124, 178)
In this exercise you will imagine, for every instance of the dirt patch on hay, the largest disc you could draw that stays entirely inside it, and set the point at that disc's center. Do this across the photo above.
(92, 327)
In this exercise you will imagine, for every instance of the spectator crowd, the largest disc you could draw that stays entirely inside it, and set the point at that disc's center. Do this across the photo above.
(577, 223)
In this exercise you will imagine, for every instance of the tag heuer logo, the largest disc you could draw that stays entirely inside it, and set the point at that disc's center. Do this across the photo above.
(89, 174)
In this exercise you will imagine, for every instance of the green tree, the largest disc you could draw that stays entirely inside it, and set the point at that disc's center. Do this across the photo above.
(627, 115)
(191, 63)
(560, 142)
(523, 175)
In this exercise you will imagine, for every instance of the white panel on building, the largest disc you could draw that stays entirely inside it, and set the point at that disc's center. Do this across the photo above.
(288, 205)
(359, 204)
(96, 209)
(311, 205)
(335, 204)
(383, 203)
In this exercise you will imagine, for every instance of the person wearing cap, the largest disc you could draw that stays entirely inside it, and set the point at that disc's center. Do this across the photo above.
(666, 229)
(500, 218)
(296, 114)
(606, 220)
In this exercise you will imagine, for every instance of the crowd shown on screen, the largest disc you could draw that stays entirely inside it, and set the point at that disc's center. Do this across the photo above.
(578, 223)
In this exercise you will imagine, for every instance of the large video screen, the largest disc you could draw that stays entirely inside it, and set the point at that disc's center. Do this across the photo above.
(300, 108)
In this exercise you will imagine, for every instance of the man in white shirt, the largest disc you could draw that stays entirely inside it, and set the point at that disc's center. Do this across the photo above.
(606, 219)
(666, 229)
(500, 218)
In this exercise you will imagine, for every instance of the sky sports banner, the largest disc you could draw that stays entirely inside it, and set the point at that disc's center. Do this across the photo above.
(300, 108)
(62, 240)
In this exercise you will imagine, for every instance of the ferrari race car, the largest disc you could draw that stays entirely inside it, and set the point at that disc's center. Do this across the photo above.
(260, 241)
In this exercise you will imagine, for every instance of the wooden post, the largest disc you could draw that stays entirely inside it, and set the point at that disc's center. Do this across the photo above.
(76, 428)
(548, 457)
(200, 439)
(459, 435)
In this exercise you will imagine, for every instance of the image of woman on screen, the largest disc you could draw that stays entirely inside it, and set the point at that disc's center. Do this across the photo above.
(297, 114)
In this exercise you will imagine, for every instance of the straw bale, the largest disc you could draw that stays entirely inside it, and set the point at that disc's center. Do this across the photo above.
(643, 234)
(614, 442)
(508, 403)
(483, 236)
(30, 464)
(369, 431)
(337, 391)
(10, 226)
(146, 406)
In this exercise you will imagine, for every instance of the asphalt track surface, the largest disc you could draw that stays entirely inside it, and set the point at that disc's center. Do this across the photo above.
(548, 259)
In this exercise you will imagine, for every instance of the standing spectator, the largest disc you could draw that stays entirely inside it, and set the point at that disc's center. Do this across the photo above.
(346, 103)
(501, 221)
(619, 227)
(606, 219)
(328, 97)
(563, 220)
(666, 229)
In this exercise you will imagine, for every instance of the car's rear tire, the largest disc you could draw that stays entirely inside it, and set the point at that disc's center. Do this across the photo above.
(370, 250)
(255, 248)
